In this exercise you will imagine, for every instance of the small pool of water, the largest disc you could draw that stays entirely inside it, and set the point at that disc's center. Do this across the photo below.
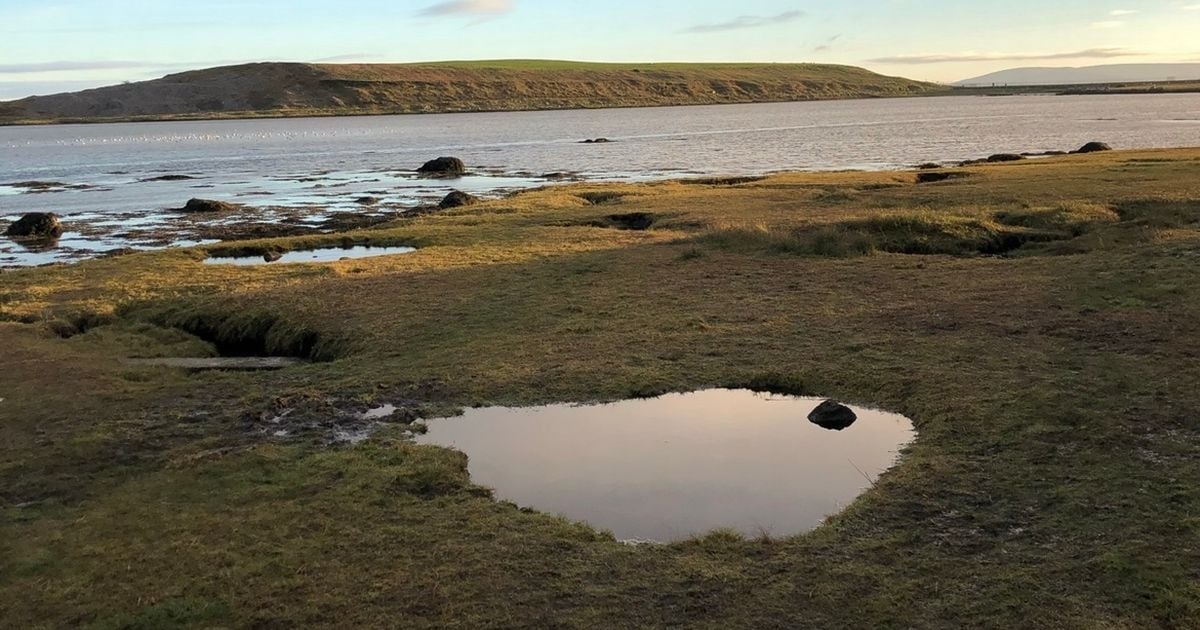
(666, 468)
(331, 254)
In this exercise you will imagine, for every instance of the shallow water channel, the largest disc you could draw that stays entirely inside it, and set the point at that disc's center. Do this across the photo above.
(325, 255)
(666, 468)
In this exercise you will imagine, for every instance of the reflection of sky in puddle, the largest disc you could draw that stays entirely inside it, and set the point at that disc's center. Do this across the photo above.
(332, 254)
(682, 464)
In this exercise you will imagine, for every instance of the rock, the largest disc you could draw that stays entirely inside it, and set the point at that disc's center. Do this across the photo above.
(833, 415)
(36, 225)
(208, 205)
(597, 141)
(1005, 157)
(167, 178)
(930, 177)
(367, 201)
(36, 186)
(272, 256)
(444, 167)
(1094, 147)
(928, 166)
(458, 199)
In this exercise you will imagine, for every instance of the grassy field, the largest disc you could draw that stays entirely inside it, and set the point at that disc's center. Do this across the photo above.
(1038, 320)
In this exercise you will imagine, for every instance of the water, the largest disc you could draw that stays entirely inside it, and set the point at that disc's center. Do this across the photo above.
(307, 168)
(682, 464)
(330, 254)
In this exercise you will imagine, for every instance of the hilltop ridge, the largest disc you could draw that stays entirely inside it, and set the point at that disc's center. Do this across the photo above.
(302, 89)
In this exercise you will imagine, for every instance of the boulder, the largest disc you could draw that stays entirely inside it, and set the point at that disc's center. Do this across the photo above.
(36, 225)
(367, 201)
(1094, 147)
(1005, 157)
(208, 205)
(272, 256)
(833, 415)
(458, 199)
(444, 167)
(597, 141)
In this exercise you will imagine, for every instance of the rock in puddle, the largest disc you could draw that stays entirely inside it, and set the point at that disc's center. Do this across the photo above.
(833, 415)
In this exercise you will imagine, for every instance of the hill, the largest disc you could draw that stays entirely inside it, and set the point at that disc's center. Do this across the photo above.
(1112, 73)
(298, 89)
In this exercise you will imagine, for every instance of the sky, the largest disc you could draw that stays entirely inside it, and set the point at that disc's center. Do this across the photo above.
(51, 46)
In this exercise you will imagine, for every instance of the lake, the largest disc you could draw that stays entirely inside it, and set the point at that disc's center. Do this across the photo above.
(114, 183)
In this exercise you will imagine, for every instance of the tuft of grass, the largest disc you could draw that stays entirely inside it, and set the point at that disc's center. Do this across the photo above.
(921, 233)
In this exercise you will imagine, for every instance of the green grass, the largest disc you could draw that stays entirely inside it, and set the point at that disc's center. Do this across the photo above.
(1053, 483)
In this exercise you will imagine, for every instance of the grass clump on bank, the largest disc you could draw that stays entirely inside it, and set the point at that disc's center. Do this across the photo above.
(924, 233)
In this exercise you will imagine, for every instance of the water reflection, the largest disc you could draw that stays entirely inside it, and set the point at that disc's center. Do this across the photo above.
(682, 464)
(310, 256)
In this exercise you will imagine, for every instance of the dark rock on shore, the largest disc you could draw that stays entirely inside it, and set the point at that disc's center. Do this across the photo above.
(458, 199)
(1094, 147)
(36, 186)
(167, 178)
(927, 166)
(1044, 153)
(596, 141)
(367, 201)
(833, 415)
(444, 167)
(272, 256)
(1005, 157)
(208, 205)
(930, 177)
(36, 225)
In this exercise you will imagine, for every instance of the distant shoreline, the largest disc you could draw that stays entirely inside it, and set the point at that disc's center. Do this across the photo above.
(1083, 90)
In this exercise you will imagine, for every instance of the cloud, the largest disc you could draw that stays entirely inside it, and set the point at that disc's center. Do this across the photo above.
(828, 45)
(1091, 53)
(346, 58)
(1108, 24)
(467, 7)
(1122, 12)
(68, 66)
(746, 21)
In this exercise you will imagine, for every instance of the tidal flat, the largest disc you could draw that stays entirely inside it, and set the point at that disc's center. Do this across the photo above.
(1039, 322)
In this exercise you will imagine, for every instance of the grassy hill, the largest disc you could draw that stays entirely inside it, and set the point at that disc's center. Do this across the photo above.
(298, 89)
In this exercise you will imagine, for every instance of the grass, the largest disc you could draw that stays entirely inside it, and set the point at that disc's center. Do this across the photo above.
(1053, 385)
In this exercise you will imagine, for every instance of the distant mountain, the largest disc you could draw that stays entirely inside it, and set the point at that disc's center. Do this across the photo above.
(1114, 73)
(298, 89)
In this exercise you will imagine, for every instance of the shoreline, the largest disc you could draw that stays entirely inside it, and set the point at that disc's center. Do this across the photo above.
(1150, 89)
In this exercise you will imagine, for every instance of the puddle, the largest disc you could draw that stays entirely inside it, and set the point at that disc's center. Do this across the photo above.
(667, 468)
(241, 364)
(332, 254)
